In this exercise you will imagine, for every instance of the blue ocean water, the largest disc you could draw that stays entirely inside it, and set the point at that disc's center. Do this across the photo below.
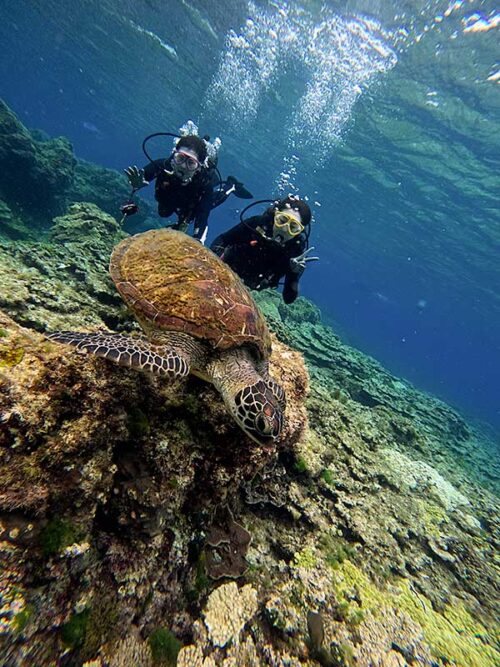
(384, 114)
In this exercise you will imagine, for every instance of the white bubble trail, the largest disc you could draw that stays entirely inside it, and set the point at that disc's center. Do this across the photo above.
(338, 56)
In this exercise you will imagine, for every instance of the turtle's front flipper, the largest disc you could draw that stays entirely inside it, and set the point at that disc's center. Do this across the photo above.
(132, 351)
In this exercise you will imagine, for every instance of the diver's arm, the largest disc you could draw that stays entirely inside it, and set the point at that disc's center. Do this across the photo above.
(140, 178)
(296, 267)
(241, 233)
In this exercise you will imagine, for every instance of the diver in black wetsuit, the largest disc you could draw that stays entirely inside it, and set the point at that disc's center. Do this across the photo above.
(184, 185)
(264, 248)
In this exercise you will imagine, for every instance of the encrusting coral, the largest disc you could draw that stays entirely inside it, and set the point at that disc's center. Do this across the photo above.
(227, 611)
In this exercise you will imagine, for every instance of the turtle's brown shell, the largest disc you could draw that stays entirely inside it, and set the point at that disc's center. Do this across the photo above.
(172, 282)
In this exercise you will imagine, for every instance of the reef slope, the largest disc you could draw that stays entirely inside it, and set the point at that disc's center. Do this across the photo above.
(138, 526)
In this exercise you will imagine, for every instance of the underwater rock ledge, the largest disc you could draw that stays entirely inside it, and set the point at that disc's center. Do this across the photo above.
(138, 526)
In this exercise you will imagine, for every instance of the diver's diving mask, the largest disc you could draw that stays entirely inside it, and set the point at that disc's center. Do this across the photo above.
(182, 159)
(287, 226)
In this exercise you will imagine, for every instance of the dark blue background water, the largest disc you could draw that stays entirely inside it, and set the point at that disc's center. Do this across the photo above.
(408, 229)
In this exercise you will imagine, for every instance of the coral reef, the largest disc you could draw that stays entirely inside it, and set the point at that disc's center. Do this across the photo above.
(138, 525)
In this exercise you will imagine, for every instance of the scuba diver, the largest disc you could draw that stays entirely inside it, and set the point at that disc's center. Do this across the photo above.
(264, 248)
(187, 183)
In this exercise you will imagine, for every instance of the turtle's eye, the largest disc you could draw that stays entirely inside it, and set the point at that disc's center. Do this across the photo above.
(263, 425)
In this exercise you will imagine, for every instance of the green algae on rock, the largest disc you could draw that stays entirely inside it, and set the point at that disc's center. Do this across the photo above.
(453, 635)
(164, 647)
(57, 535)
(10, 356)
(73, 632)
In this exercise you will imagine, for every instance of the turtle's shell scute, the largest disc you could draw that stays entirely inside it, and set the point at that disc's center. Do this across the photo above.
(172, 282)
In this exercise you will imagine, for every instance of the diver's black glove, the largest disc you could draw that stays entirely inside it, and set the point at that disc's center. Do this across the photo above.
(136, 177)
(298, 264)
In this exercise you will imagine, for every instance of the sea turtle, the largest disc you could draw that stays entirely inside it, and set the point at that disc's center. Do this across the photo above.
(197, 317)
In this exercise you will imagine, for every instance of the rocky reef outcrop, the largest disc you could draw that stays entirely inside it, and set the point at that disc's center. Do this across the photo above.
(41, 176)
(35, 174)
(138, 526)
(62, 281)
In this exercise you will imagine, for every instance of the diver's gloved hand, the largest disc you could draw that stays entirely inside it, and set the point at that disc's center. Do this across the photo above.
(299, 263)
(136, 177)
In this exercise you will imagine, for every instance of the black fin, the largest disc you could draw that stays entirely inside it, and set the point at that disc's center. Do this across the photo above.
(239, 189)
(242, 193)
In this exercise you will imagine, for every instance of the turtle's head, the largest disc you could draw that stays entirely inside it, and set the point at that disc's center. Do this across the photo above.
(259, 410)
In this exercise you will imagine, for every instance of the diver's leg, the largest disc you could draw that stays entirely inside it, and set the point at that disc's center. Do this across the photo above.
(165, 210)
(218, 199)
